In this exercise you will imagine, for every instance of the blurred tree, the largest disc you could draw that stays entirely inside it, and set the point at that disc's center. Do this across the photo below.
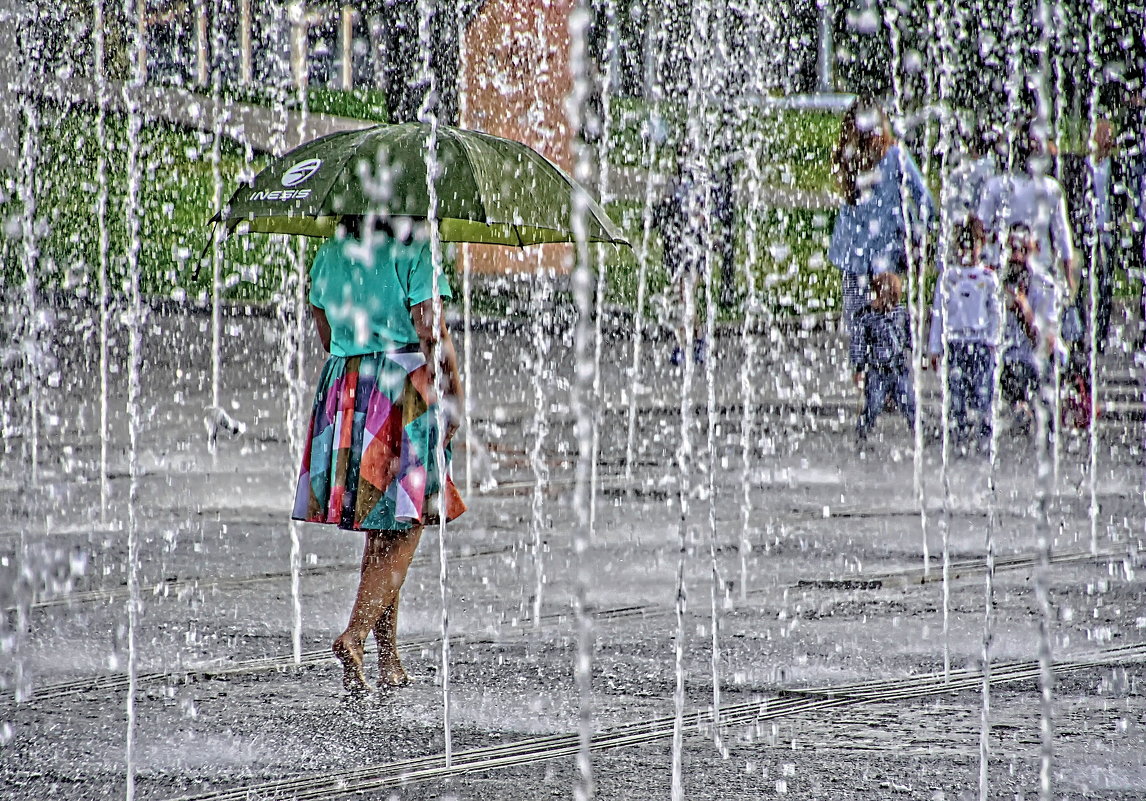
(399, 64)
(1003, 53)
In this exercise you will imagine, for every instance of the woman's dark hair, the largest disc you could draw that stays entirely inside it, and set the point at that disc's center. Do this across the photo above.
(1018, 270)
(985, 136)
(861, 146)
(1029, 145)
(968, 232)
(886, 291)
(1023, 149)
(355, 226)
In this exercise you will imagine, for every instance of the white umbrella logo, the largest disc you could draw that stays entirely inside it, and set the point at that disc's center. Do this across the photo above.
(301, 172)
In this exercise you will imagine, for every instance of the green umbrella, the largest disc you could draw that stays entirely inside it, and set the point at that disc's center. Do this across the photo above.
(489, 189)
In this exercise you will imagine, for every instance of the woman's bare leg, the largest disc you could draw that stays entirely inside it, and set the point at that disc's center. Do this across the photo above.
(390, 670)
(386, 557)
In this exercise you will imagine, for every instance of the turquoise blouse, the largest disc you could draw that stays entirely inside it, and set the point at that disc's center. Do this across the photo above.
(367, 293)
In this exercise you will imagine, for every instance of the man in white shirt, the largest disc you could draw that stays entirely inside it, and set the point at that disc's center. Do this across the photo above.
(1036, 199)
(964, 187)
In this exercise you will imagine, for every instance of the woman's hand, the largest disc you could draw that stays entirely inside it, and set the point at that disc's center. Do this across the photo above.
(1012, 296)
(452, 412)
(1071, 279)
(450, 383)
(1021, 305)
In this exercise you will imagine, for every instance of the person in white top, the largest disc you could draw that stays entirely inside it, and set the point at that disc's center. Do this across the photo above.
(965, 184)
(1142, 206)
(965, 323)
(1104, 280)
(1140, 347)
(1031, 197)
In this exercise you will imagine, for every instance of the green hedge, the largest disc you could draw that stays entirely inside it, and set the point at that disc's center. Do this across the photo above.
(177, 198)
(796, 145)
(359, 104)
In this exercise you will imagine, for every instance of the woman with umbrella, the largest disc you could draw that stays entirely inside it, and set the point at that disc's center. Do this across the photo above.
(377, 454)
(370, 461)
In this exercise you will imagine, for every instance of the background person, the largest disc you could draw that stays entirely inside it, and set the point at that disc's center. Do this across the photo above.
(881, 354)
(1141, 221)
(966, 320)
(370, 457)
(680, 216)
(1087, 181)
(1028, 195)
(974, 168)
(1127, 107)
(724, 210)
(1104, 278)
(1031, 347)
(871, 236)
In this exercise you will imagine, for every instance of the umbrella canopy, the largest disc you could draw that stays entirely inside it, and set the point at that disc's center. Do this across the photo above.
(489, 189)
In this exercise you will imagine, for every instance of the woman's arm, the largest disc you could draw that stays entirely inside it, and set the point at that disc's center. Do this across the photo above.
(1020, 303)
(422, 315)
(1063, 239)
(857, 350)
(988, 208)
(322, 326)
(935, 332)
(924, 203)
(995, 314)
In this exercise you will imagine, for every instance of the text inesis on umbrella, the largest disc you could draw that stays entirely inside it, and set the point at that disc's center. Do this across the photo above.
(281, 194)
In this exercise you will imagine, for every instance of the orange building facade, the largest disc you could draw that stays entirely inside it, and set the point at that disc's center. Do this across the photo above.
(515, 78)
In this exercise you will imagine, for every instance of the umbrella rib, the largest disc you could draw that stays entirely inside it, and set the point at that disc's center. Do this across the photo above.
(546, 170)
(462, 146)
(342, 165)
(574, 187)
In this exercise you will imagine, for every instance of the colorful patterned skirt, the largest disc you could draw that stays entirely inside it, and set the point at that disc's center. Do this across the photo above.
(369, 462)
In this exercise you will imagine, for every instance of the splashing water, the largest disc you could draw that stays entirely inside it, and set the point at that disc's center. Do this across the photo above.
(820, 535)
(135, 322)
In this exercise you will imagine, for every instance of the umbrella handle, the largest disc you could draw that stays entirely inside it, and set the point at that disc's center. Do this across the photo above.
(199, 261)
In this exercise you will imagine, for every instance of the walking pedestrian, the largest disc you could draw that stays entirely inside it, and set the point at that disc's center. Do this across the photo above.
(1087, 181)
(965, 324)
(724, 210)
(879, 180)
(1128, 177)
(684, 226)
(1031, 345)
(975, 167)
(1030, 196)
(881, 354)
(1142, 225)
(371, 457)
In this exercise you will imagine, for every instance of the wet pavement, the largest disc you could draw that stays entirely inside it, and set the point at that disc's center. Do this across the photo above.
(837, 672)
